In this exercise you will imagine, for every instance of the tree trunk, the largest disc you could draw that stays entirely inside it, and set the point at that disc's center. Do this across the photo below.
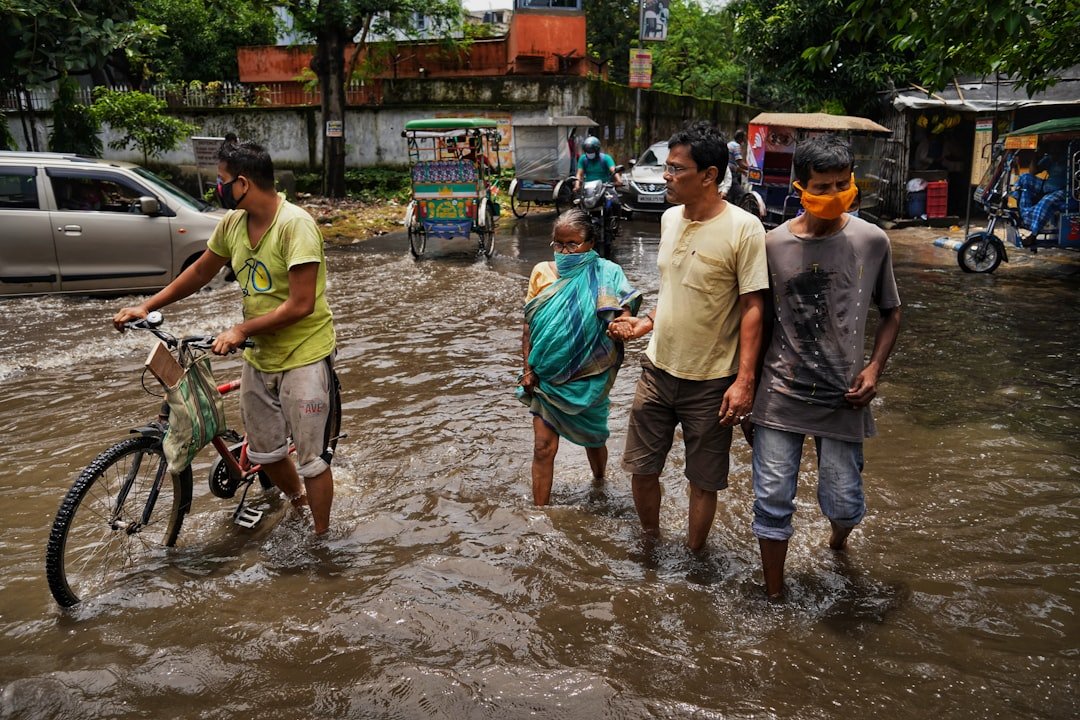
(329, 66)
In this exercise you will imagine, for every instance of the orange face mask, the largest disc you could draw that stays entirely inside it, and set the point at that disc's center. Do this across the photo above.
(828, 207)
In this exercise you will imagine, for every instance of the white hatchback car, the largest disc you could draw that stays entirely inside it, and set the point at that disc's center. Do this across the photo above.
(74, 224)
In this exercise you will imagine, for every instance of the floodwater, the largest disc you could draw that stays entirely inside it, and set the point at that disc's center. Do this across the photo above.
(442, 593)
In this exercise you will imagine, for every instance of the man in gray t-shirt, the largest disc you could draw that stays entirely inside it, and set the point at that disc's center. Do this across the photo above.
(826, 268)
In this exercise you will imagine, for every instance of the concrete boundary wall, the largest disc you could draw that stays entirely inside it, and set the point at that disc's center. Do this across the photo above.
(373, 133)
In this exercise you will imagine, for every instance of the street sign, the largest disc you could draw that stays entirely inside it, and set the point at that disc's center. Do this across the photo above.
(206, 160)
(335, 128)
(640, 68)
(654, 19)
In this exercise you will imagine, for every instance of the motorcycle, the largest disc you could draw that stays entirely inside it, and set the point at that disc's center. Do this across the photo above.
(601, 201)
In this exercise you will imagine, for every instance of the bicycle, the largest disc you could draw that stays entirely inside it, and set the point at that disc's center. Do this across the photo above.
(125, 506)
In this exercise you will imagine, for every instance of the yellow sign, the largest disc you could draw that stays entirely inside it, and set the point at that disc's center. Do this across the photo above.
(1022, 142)
(640, 68)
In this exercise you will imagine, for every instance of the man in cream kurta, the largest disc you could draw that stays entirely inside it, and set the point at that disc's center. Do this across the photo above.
(699, 368)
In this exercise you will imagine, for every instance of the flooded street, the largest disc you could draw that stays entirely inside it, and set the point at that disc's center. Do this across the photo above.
(442, 593)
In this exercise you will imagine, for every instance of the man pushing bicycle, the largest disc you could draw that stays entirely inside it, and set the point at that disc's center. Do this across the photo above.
(276, 252)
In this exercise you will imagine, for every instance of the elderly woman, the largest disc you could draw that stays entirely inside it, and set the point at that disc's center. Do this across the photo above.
(570, 361)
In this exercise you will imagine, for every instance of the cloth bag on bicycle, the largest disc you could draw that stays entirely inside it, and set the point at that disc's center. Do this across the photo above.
(196, 413)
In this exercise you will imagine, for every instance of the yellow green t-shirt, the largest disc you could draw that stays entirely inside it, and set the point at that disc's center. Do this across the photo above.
(263, 274)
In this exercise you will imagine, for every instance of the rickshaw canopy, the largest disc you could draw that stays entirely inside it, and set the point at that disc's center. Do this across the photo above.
(444, 124)
(1028, 137)
(822, 122)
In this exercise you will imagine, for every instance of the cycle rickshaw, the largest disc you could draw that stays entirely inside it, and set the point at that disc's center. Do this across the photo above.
(771, 141)
(1051, 152)
(453, 180)
(546, 150)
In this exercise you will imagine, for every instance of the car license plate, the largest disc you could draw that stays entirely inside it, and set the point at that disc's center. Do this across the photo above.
(651, 198)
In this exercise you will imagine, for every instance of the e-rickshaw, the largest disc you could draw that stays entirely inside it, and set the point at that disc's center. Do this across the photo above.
(452, 180)
(546, 150)
(1050, 151)
(771, 141)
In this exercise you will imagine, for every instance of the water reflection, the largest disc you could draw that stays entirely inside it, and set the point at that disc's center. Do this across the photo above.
(442, 592)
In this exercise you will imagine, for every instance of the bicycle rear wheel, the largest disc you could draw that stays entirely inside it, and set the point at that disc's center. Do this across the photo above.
(112, 520)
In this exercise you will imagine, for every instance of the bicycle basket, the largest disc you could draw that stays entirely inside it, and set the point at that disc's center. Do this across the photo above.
(196, 414)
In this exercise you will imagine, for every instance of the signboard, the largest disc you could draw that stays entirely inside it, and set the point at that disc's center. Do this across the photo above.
(1022, 142)
(335, 128)
(981, 149)
(654, 19)
(640, 68)
(206, 160)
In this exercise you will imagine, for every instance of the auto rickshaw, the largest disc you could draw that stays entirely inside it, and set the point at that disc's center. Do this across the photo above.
(1050, 151)
(453, 180)
(546, 150)
(771, 141)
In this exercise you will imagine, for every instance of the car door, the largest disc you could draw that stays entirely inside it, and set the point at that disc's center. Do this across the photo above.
(103, 241)
(27, 254)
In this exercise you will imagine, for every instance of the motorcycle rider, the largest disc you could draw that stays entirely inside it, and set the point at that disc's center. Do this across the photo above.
(595, 165)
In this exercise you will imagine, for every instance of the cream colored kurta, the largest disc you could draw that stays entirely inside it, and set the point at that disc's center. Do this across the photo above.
(704, 268)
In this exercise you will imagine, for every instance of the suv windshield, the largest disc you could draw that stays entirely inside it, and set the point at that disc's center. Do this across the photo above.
(655, 156)
(172, 191)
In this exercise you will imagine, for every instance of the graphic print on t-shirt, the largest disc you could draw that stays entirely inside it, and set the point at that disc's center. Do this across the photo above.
(254, 276)
(818, 374)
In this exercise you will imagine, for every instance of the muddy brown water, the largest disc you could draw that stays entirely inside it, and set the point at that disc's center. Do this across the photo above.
(442, 593)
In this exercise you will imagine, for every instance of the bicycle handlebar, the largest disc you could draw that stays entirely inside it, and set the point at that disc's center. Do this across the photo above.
(154, 319)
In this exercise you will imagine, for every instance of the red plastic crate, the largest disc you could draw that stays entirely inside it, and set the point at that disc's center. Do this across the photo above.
(937, 198)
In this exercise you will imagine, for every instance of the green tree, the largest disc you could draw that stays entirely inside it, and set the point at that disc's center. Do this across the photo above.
(197, 39)
(774, 34)
(698, 57)
(42, 41)
(75, 129)
(1031, 41)
(334, 24)
(611, 29)
(142, 120)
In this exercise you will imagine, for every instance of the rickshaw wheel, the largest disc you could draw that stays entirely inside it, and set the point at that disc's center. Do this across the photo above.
(980, 253)
(417, 239)
(487, 230)
(564, 195)
(519, 207)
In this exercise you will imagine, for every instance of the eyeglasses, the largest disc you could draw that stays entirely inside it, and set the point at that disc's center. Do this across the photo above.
(676, 169)
(571, 246)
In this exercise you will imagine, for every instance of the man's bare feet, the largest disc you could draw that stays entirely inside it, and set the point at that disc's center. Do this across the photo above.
(838, 537)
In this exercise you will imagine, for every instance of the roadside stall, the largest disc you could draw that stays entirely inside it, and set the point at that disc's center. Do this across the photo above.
(546, 150)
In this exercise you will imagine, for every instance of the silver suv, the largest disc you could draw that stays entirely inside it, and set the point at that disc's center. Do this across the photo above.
(74, 224)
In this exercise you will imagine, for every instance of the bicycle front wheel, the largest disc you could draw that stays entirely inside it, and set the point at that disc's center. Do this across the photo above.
(124, 509)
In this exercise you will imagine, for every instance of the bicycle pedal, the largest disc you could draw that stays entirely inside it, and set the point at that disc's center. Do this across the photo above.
(247, 517)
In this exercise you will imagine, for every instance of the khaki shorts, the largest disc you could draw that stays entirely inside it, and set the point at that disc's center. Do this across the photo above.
(663, 401)
(295, 404)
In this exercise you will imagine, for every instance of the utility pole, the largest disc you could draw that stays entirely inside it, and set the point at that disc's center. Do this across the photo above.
(637, 101)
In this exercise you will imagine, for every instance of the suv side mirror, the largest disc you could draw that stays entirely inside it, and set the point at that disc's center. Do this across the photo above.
(146, 205)
(633, 162)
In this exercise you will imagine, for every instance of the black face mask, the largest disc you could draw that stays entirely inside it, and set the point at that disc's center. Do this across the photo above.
(225, 195)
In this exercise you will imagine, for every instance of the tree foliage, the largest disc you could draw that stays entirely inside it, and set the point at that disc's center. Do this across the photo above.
(775, 33)
(334, 24)
(611, 29)
(1031, 41)
(44, 40)
(141, 119)
(699, 55)
(197, 39)
(75, 129)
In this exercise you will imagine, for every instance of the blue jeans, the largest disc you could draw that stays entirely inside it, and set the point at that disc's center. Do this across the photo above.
(777, 455)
